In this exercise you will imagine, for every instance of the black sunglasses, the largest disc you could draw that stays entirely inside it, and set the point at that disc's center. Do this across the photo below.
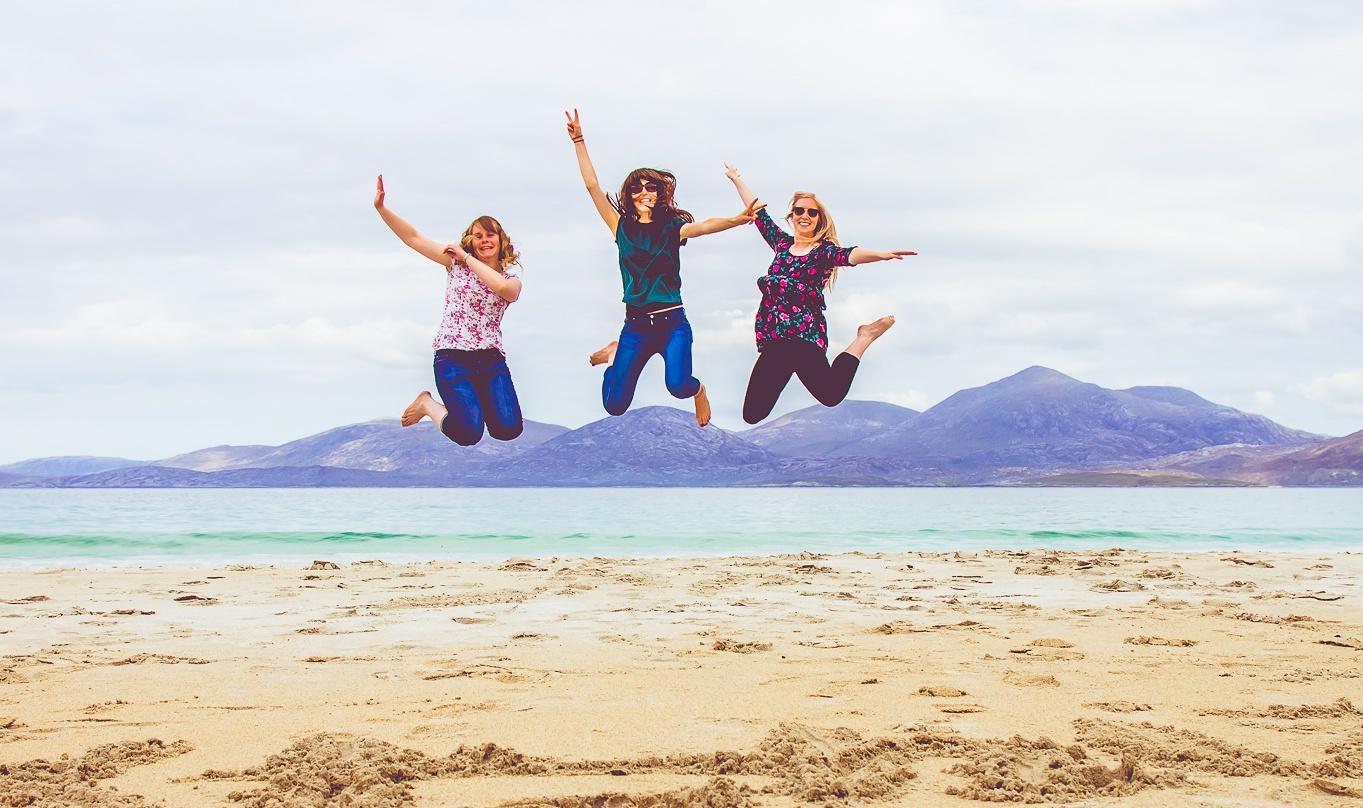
(812, 213)
(645, 185)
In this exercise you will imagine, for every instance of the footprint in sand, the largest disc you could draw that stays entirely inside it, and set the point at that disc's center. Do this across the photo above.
(736, 647)
(960, 708)
(1031, 679)
(1119, 706)
(941, 691)
(1163, 641)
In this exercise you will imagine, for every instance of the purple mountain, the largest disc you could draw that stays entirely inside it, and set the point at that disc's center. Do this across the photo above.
(817, 431)
(1042, 419)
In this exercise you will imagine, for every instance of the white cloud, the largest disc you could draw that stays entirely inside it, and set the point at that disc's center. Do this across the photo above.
(1341, 391)
(1123, 192)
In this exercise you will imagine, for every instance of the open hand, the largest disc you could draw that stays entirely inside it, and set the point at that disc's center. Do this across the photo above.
(749, 213)
(378, 195)
(731, 171)
(896, 255)
(574, 124)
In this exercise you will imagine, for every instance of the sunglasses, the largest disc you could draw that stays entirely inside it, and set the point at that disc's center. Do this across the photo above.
(645, 185)
(812, 213)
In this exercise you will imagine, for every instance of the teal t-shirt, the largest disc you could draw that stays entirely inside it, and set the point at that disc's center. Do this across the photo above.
(650, 260)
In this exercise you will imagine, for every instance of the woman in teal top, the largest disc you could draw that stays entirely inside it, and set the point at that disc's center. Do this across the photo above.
(649, 231)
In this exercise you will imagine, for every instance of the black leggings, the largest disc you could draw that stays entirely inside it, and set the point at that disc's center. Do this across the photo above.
(782, 357)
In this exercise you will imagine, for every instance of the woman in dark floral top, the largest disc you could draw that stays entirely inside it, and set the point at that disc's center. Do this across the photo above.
(792, 334)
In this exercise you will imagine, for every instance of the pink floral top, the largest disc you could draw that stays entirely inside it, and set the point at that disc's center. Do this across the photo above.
(473, 312)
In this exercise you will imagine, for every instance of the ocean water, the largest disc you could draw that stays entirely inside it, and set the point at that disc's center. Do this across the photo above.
(45, 528)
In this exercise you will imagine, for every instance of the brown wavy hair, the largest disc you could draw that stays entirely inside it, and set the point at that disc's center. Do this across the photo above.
(508, 254)
(823, 231)
(666, 206)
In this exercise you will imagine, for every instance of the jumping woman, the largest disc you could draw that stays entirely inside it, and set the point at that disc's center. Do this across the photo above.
(649, 231)
(471, 373)
(792, 334)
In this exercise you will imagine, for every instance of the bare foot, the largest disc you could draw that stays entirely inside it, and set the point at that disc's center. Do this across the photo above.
(869, 333)
(416, 410)
(873, 330)
(702, 402)
(604, 355)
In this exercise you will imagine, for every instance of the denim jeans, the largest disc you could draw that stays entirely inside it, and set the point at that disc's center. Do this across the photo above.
(644, 335)
(476, 388)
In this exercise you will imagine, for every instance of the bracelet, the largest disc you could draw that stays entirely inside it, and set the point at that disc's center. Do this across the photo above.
(577, 140)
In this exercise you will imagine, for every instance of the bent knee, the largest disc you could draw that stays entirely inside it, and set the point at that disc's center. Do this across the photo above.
(464, 436)
(506, 431)
(686, 389)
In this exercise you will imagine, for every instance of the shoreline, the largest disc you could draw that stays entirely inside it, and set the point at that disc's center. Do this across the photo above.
(893, 678)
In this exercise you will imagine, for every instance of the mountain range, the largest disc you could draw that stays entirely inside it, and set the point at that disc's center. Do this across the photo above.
(1037, 426)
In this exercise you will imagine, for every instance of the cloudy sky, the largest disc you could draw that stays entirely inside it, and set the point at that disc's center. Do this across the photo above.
(1164, 192)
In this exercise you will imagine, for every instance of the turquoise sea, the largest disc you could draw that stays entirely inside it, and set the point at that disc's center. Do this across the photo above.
(43, 528)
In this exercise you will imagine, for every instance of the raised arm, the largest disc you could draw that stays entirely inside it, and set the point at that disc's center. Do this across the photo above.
(409, 235)
(503, 286)
(771, 231)
(744, 192)
(861, 255)
(708, 226)
(609, 215)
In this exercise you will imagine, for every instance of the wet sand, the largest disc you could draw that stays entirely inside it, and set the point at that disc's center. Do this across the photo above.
(1113, 678)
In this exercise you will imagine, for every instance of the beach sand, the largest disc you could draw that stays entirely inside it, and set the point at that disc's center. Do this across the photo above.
(1108, 678)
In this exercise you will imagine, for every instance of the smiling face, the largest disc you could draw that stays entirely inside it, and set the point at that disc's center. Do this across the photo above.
(485, 240)
(646, 194)
(805, 214)
(487, 244)
(643, 194)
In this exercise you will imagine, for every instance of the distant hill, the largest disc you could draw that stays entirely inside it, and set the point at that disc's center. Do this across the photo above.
(816, 431)
(1042, 419)
(68, 465)
(646, 446)
(282, 477)
(381, 445)
(1338, 461)
(1035, 427)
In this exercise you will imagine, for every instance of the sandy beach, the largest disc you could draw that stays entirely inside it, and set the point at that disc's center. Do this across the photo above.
(1110, 678)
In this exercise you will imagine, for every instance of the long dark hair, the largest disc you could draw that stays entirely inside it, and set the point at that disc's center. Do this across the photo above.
(666, 206)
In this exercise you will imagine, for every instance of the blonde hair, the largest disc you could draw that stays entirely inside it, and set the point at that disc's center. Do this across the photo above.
(507, 256)
(824, 231)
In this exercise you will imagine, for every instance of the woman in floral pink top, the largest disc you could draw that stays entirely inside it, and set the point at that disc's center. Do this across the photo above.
(792, 334)
(471, 373)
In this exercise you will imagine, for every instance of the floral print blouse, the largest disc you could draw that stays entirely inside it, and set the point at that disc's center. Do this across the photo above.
(473, 312)
(792, 290)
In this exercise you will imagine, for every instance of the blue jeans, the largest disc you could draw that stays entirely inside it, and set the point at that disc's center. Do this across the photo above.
(644, 335)
(476, 388)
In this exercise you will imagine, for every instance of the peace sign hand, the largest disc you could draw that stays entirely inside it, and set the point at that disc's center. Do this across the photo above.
(574, 124)
(749, 213)
(731, 171)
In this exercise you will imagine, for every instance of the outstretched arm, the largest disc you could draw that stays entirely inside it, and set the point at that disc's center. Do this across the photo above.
(409, 235)
(708, 226)
(584, 164)
(503, 286)
(771, 232)
(744, 192)
(861, 255)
